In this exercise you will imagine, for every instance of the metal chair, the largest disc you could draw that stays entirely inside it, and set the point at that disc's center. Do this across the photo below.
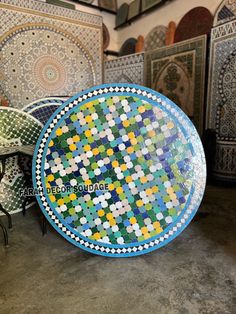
(4, 230)
(29, 199)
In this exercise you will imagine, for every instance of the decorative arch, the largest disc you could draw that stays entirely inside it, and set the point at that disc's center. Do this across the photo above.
(225, 12)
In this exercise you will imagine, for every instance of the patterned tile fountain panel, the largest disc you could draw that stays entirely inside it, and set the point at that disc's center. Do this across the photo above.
(178, 71)
(222, 98)
(137, 144)
(47, 51)
(16, 128)
(128, 69)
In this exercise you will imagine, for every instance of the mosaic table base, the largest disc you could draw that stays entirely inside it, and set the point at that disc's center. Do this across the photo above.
(221, 99)
(119, 170)
(16, 128)
(42, 109)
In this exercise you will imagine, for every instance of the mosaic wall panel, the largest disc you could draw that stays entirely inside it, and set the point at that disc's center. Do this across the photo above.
(222, 98)
(144, 152)
(43, 108)
(225, 12)
(128, 69)
(47, 51)
(178, 72)
(16, 128)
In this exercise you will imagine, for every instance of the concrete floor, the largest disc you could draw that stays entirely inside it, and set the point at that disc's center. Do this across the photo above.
(195, 273)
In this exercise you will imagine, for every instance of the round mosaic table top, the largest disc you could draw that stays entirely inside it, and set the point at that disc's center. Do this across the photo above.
(49, 62)
(18, 127)
(42, 109)
(128, 47)
(155, 38)
(122, 14)
(198, 21)
(119, 170)
(44, 101)
(106, 37)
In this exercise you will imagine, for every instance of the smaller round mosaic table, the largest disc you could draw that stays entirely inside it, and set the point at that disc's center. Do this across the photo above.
(42, 109)
(119, 170)
(17, 128)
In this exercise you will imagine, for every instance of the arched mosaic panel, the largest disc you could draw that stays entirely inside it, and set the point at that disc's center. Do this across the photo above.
(225, 12)
(127, 69)
(178, 71)
(174, 81)
(221, 99)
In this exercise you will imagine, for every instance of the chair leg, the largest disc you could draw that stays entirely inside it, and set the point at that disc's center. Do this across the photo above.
(8, 216)
(43, 220)
(44, 225)
(5, 234)
(24, 206)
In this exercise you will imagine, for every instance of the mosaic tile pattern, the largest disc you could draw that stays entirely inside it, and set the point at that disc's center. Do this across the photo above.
(155, 38)
(198, 21)
(221, 98)
(47, 52)
(16, 128)
(42, 109)
(45, 9)
(225, 12)
(128, 47)
(138, 143)
(178, 72)
(128, 69)
(44, 101)
(43, 113)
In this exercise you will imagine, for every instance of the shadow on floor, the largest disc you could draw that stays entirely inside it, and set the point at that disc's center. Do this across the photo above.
(193, 274)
